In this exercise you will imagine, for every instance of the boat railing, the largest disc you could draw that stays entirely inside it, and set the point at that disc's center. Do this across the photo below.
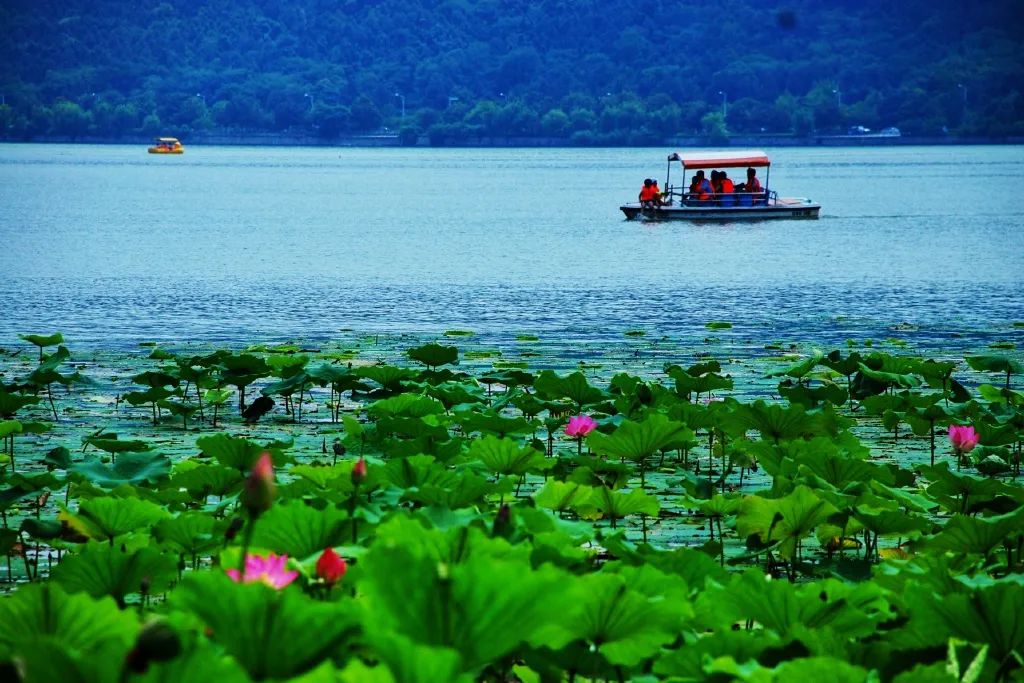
(730, 199)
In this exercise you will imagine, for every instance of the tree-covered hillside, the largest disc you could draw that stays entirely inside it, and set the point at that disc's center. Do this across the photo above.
(591, 71)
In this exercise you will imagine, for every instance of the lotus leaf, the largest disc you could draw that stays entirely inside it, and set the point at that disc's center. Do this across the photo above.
(202, 662)
(190, 532)
(622, 624)
(58, 633)
(776, 423)
(237, 452)
(251, 621)
(964, 534)
(490, 422)
(12, 403)
(111, 444)
(297, 530)
(482, 607)
(406, 405)
(107, 518)
(784, 520)
(562, 495)
(100, 570)
(573, 387)
(434, 355)
(505, 456)
(130, 468)
(638, 441)
(205, 480)
(798, 370)
(155, 380)
(465, 489)
(617, 504)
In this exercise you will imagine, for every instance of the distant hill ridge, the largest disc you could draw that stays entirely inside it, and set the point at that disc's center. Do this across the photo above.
(588, 71)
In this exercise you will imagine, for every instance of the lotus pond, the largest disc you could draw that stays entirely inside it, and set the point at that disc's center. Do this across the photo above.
(460, 508)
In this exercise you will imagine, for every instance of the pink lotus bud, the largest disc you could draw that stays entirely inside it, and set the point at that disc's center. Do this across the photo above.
(359, 472)
(258, 489)
(580, 425)
(331, 567)
(963, 438)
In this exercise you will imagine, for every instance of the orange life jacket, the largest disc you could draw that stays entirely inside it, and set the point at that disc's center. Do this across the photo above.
(727, 185)
(647, 193)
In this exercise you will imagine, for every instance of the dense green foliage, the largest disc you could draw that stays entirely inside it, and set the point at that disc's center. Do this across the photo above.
(704, 534)
(588, 71)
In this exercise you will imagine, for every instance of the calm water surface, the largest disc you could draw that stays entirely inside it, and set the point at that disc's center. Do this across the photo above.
(113, 246)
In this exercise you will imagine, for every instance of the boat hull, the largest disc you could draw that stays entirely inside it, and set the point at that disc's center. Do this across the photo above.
(723, 213)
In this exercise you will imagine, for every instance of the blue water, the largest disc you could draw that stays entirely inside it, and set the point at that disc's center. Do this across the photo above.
(113, 246)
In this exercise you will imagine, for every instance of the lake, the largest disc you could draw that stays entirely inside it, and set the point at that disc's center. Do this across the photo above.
(114, 246)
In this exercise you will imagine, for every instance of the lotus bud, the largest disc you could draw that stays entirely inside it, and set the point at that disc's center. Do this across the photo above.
(502, 522)
(359, 472)
(963, 438)
(258, 490)
(330, 567)
(233, 528)
(157, 642)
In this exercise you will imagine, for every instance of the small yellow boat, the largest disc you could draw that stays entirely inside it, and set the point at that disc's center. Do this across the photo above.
(167, 146)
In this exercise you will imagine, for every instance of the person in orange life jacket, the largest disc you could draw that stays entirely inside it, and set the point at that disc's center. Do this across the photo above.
(752, 184)
(658, 194)
(700, 188)
(647, 194)
(726, 189)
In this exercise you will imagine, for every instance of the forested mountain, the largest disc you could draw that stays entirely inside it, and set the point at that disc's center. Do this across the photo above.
(591, 71)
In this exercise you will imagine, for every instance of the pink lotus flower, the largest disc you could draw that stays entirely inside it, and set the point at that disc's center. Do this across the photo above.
(963, 438)
(330, 567)
(269, 570)
(580, 425)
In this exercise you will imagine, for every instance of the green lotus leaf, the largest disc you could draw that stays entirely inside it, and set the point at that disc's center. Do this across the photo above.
(561, 495)
(947, 484)
(452, 394)
(718, 325)
(622, 624)
(698, 380)
(257, 625)
(696, 568)
(298, 530)
(811, 397)
(800, 369)
(60, 634)
(406, 405)
(416, 471)
(12, 403)
(434, 355)
(42, 529)
(776, 423)
(573, 387)
(151, 395)
(389, 377)
(107, 518)
(489, 422)
(237, 452)
(988, 363)
(890, 378)
(8, 427)
(506, 456)
(287, 365)
(191, 533)
(202, 480)
(156, 379)
(638, 441)
(42, 341)
(131, 468)
(202, 662)
(111, 444)
(298, 381)
(101, 569)
(409, 662)
(688, 662)
(482, 607)
(464, 490)
(891, 522)
(617, 504)
(987, 615)
(849, 610)
(216, 396)
(841, 472)
(784, 520)
(18, 486)
(976, 535)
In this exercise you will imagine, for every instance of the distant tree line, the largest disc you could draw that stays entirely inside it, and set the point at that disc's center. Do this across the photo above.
(586, 71)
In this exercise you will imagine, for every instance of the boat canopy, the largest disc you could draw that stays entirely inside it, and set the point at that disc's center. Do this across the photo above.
(170, 140)
(731, 159)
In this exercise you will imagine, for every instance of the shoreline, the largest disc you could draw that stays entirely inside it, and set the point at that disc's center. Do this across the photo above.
(393, 140)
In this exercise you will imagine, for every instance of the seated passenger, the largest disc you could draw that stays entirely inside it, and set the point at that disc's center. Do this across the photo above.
(647, 195)
(700, 188)
(725, 189)
(659, 196)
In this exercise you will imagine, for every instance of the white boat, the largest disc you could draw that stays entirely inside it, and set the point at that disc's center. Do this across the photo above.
(678, 203)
